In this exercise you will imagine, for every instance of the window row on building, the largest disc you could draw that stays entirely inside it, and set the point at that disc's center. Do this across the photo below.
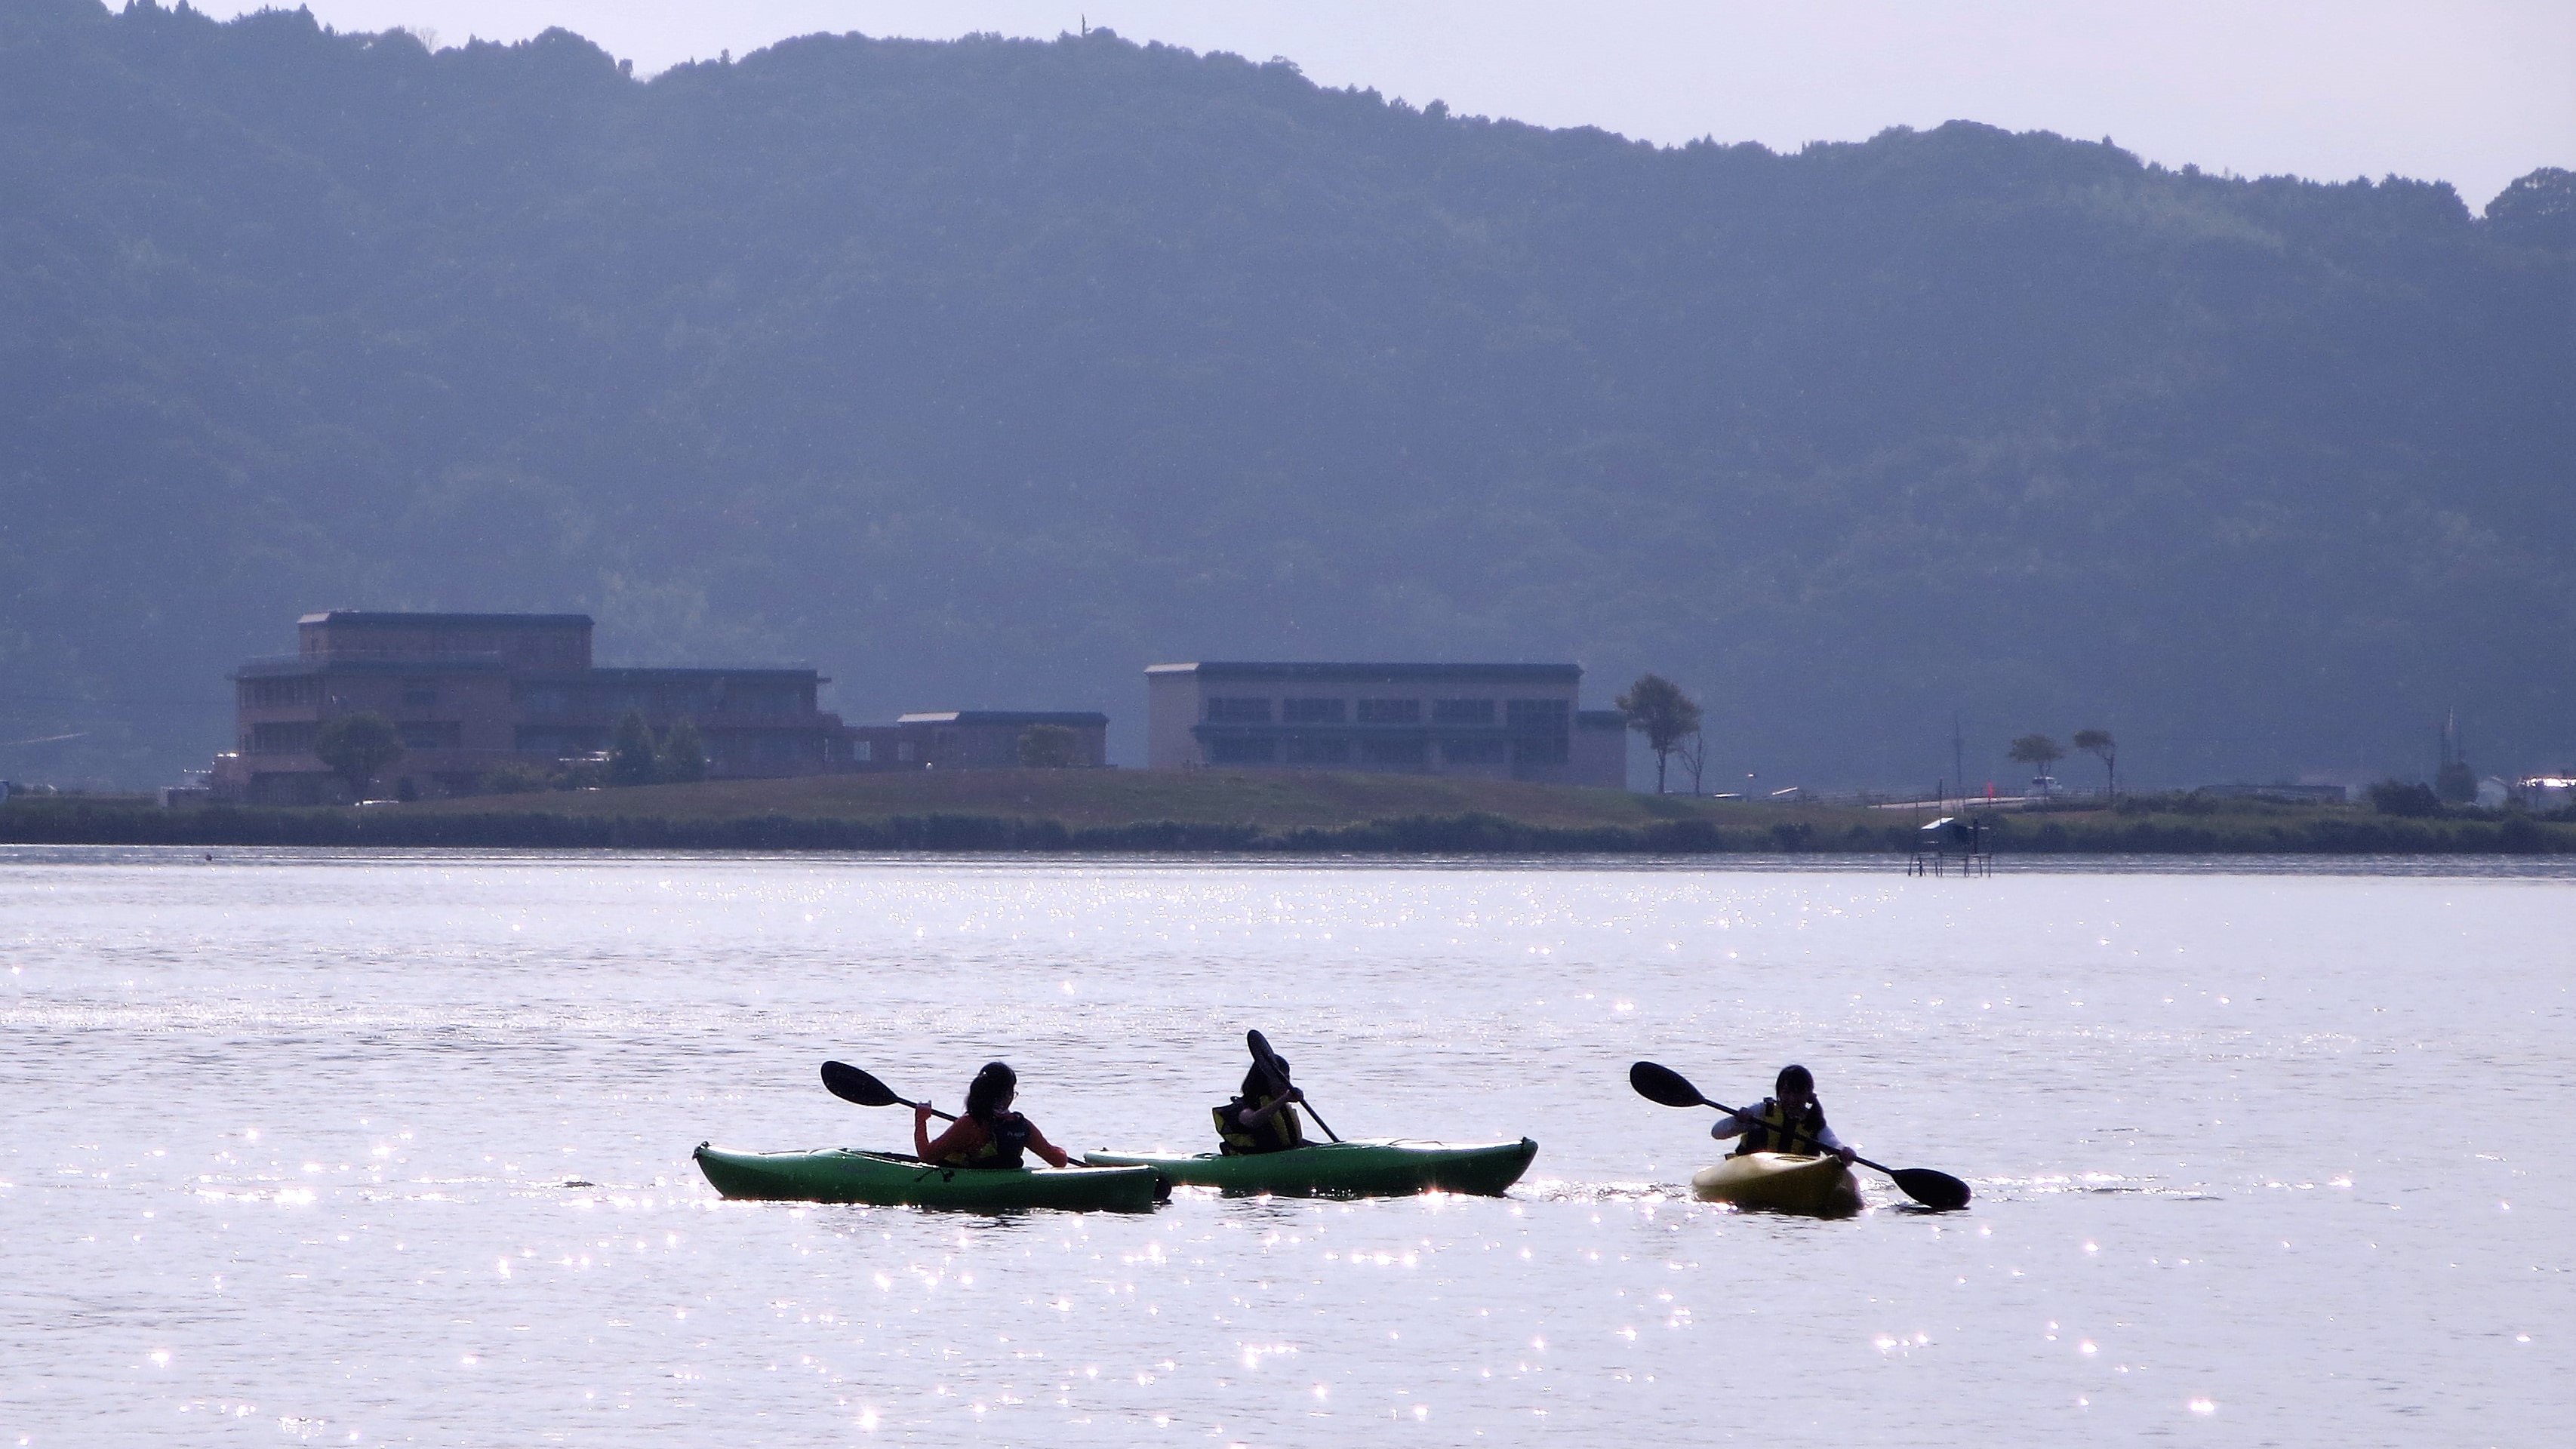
(1518, 714)
(1503, 721)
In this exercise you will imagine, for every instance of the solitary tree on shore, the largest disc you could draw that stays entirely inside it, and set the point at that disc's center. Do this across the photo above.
(2100, 745)
(1657, 709)
(630, 756)
(2037, 751)
(358, 746)
(683, 759)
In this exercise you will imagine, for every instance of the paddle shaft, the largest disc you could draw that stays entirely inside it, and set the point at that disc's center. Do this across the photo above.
(1269, 1060)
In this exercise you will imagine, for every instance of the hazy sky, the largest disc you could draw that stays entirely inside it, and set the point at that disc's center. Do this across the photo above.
(2474, 92)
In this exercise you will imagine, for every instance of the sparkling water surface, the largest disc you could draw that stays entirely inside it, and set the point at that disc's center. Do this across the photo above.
(313, 1147)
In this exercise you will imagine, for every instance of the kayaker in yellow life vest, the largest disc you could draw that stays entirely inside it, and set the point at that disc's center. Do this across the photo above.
(1263, 1117)
(1789, 1120)
(989, 1134)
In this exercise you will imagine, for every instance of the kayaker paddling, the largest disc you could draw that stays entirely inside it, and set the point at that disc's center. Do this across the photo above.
(989, 1134)
(1655, 1082)
(1790, 1120)
(1263, 1116)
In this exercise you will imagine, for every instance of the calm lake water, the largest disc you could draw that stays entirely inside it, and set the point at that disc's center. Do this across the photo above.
(353, 1149)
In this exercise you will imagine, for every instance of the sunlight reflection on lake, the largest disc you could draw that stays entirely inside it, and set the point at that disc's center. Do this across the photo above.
(339, 1148)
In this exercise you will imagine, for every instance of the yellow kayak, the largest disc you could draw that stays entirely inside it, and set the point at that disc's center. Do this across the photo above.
(1780, 1182)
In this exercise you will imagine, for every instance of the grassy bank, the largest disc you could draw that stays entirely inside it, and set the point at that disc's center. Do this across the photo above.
(1130, 810)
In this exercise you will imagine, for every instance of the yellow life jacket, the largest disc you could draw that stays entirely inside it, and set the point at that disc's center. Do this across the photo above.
(1777, 1134)
(1280, 1133)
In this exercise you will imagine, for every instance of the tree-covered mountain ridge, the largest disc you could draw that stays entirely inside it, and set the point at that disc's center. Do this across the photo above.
(983, 373)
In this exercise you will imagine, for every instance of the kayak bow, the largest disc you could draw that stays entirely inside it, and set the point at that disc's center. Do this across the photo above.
(1780, 1182)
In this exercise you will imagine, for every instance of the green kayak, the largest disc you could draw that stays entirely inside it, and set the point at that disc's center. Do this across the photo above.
(846, 1174)
(1343, 1169)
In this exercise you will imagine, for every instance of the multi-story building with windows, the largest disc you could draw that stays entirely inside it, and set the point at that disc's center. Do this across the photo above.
(473, 692)
(1498, 721)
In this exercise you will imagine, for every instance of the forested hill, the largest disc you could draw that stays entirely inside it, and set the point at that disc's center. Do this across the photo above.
(985, 373)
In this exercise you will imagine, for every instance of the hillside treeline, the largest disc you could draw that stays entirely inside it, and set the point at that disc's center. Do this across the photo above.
(984, 373)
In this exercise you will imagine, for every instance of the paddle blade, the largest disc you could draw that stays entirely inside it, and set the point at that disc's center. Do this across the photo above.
(1936, 1190)
(1663, 1084)
(1267, 1059)
(852, 1085)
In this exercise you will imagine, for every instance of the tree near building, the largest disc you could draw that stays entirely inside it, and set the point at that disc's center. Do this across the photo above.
(2037, 751)
(2100, 745)
(683, 759)
(357, 747)
(630, 754)
(2412, 799)
(1050, 747)
(1657, 709)
(1693, 753)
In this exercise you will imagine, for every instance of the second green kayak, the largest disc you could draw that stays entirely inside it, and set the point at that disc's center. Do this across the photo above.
(845, 1174)
(1343, 1169)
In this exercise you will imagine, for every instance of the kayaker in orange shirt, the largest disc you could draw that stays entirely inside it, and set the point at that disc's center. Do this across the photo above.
(1789, 1120)
(989, 1133)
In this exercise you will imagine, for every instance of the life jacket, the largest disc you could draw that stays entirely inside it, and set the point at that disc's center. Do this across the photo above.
(1239, 1138)
(1770, 1136)
(1005, 1138)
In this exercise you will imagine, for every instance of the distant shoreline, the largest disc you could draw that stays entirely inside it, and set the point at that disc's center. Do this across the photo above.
(1127, 811)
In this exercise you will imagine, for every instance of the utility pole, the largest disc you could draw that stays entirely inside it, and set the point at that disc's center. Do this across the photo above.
(1958, 756)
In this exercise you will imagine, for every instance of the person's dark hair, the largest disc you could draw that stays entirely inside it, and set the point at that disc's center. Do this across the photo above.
(991, 1090)
(1793, 1078)
(1259, 1079)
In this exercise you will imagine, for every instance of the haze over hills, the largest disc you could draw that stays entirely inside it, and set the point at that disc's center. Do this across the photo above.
(984, 373)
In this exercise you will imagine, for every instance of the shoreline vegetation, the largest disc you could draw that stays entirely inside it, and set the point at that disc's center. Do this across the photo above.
(1085, 811)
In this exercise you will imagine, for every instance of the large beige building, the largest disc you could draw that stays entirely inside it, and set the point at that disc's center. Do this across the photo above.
(1493, 721)
(472, 692)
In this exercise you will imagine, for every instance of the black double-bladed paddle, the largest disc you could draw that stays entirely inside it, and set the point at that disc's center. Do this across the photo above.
(1936, 1190)
(1278, 1071)
(852, 1085)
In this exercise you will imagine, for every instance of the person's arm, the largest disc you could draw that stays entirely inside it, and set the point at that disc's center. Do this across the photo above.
(1255, 1119)
(1822, 1138)
(1053, 1154)
(1736, 1124)
(963, 1136)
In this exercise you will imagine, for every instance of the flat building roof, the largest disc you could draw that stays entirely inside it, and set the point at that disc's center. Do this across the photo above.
(1247, 669)
(1071, 718)
(398, 620)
